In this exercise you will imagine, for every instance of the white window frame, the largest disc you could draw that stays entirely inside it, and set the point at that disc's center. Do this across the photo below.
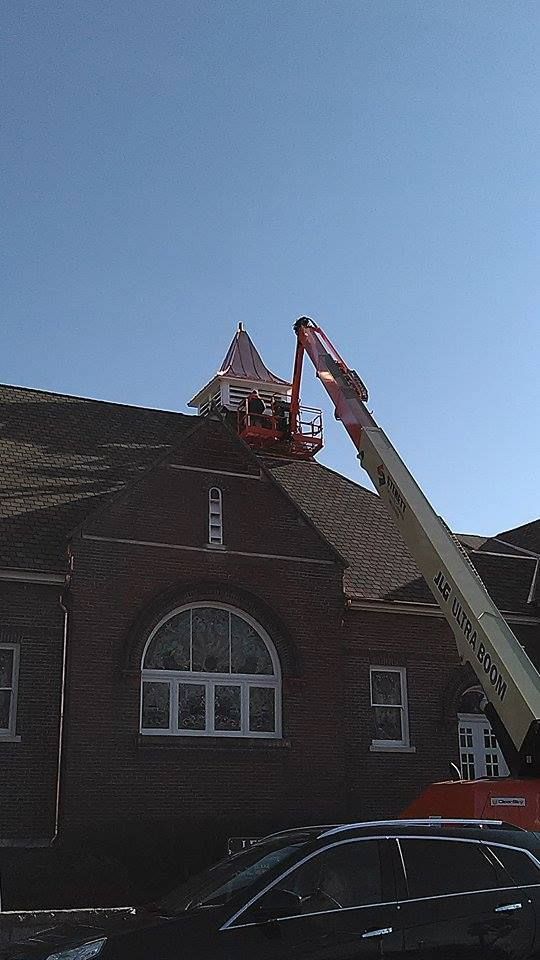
(215, 517)
(8, 733)
(210, 680)
(404, 742)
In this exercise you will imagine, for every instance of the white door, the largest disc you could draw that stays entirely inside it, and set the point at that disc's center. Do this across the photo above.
(479, 752)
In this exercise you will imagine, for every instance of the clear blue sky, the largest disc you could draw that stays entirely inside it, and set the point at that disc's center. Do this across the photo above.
(171, 167)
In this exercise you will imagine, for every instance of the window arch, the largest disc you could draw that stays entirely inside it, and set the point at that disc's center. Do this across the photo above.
(209, 669)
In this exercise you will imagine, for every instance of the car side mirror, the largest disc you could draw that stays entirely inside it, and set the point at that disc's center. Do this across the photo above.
(277, 903)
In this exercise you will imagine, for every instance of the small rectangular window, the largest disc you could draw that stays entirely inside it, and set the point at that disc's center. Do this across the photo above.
(389, 706)
(262, 709)
(156, 698)
(215, 516)
(191, 706)
(227, 707)
(9, 673)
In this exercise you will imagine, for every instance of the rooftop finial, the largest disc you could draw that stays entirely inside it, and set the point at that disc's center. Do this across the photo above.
(240, 327)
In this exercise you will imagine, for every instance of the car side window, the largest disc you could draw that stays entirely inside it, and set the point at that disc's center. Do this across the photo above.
(345, 875)
(439, 867)
(519, 865)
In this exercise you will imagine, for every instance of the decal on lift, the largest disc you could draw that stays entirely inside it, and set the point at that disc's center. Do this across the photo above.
(508, 802)
(395, 499)
(491, 669)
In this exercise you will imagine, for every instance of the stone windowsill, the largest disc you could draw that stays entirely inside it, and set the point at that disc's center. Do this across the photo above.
(396, 748)
(217, 744)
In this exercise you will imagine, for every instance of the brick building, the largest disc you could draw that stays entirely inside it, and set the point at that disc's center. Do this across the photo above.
(199, 642)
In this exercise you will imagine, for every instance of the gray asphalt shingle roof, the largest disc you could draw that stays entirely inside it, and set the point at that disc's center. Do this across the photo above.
(59, 457)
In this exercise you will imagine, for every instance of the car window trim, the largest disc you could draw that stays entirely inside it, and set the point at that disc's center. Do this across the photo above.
(340, 843)
(480, 843)
(510, 846)
(316, 913)
(529, 853)
(460, 893)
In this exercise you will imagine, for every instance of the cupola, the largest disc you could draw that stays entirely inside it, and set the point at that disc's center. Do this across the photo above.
(242, 371)
(257, 403)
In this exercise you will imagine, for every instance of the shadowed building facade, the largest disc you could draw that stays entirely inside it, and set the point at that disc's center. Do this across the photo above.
(199, 642)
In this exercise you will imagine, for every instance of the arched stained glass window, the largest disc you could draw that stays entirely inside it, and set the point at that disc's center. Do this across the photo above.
(210, 670)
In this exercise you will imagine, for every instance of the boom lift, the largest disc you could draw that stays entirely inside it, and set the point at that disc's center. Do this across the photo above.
(484, 639)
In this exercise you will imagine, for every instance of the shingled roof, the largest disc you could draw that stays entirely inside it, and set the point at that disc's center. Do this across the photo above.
(60, 456)
(355, 521)
(523, 539)
(381, 568)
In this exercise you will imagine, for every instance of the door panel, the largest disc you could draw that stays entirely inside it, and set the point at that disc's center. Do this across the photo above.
(337, 935)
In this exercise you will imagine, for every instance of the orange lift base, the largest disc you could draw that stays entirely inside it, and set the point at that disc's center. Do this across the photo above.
(509, 799)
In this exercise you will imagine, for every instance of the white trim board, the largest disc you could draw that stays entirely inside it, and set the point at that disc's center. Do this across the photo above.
(222, 473)
(208, 549)
(32, 576)
(423, 609)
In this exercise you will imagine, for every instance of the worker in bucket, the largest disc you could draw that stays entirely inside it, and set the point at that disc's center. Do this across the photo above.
(256, 409)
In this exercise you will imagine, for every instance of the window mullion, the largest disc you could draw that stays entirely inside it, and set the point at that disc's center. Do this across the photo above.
(173, 698)
(244, 708)
(210, 707)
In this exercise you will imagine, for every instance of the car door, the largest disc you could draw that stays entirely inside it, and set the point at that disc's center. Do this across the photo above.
(523, 867)
(342, 906)
(460, 903)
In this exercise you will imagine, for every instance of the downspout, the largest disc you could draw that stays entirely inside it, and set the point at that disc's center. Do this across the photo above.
(62, 708)
(49, 842)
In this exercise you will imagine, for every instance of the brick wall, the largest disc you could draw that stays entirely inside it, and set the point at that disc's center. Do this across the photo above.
(176, 800)
(424, 646)
(30, 615)
(139, 813)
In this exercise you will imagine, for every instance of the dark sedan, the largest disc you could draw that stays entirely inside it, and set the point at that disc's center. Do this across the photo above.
(416, 889)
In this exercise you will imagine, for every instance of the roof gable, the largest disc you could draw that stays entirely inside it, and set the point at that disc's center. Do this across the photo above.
(168, 502)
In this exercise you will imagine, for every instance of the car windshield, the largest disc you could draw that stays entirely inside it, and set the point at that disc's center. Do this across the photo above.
(219, 884)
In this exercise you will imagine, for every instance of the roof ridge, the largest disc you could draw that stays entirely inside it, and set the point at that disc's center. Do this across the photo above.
(520, 526)
(109, 403)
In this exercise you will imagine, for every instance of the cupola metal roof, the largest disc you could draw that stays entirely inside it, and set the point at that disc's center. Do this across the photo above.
(241, 362)
(244, 362)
